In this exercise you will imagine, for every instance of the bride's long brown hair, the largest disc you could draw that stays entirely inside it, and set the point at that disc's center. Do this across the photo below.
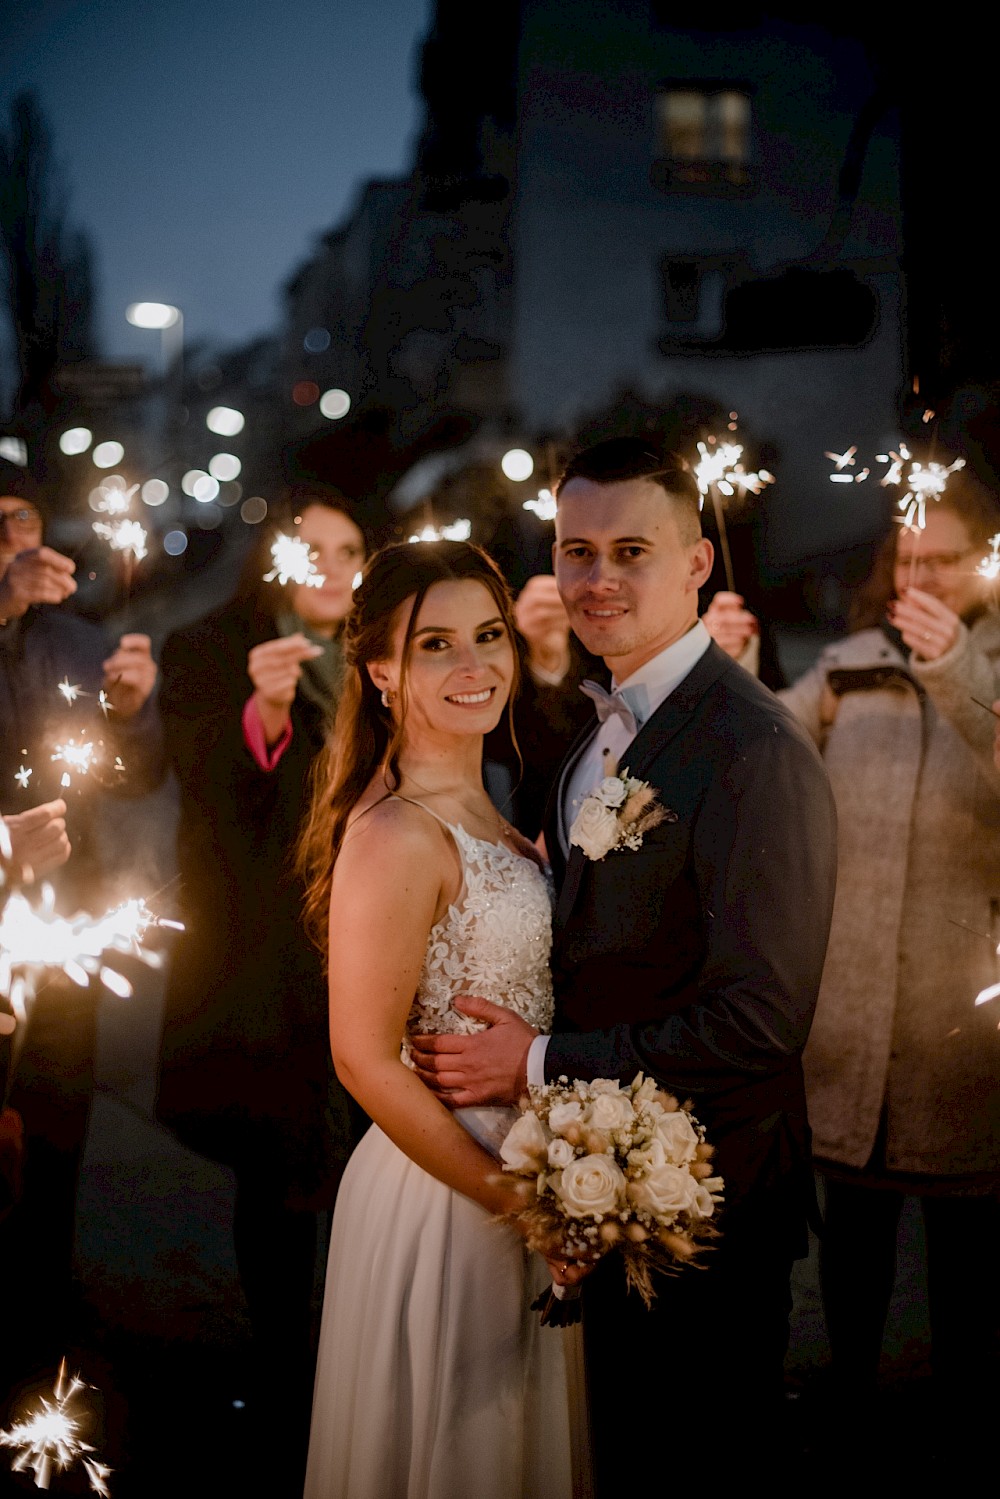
(365, 737)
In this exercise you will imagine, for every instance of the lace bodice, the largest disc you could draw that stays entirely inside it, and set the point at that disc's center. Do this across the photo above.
(494, 941)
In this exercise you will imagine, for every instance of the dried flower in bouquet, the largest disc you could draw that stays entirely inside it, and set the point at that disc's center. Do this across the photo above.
(606, 1168)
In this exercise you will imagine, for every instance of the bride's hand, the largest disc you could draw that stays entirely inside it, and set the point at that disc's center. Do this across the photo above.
(489, 1067)
(568, 1272)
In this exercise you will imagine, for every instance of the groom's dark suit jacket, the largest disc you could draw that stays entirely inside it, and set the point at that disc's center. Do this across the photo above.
(697, 958)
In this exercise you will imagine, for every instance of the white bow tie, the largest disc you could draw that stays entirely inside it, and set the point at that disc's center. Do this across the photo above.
(611, 704)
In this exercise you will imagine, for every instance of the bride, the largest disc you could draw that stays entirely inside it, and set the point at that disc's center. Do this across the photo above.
(434, 1377)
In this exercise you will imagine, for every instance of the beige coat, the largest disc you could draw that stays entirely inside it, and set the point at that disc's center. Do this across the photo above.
(917, 915)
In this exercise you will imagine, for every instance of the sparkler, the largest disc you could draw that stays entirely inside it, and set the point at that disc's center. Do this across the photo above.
(78, 757)
(33, 939)
(458, 530)
(23, 776)
(125, 536)
(71, 691)
(50, 1440)
(293, 562)
(989, 567)
(720, 472)
(544, 506)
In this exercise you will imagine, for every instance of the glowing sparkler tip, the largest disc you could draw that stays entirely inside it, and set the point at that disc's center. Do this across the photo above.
(23, 776)
(71, 691)
(293, 561)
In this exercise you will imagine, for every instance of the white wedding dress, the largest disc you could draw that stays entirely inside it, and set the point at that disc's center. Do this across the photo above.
(434, 1379)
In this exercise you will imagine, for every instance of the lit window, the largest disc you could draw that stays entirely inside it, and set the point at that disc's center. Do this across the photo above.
(703, 135)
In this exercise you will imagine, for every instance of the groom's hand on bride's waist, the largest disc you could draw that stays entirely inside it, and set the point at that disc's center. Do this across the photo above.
(489, 1067)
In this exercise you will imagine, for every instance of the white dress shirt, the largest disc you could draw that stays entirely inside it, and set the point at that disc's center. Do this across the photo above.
(644, 690)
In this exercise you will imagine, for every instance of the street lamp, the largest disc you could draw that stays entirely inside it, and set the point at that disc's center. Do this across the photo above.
(170, 323)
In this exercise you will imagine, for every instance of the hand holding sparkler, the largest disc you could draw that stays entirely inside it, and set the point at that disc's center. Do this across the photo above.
(730, 623)
(274, 667)
(130, 675)
(39, 576)
(38, 839)
(540, 616)
(928, 627)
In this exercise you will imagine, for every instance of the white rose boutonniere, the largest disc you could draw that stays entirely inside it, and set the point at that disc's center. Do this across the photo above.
(616, 815)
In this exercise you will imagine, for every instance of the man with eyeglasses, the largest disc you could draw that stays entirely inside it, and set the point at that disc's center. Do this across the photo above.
(61, 679)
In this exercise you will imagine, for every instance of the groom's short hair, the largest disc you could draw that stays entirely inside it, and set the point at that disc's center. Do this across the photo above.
(622, 458)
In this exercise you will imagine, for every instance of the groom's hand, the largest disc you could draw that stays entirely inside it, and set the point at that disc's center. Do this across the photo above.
(490, 1067)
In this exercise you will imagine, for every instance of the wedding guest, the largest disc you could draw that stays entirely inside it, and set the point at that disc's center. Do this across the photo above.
(902, 1069)
(245, 1071)
(43, 644)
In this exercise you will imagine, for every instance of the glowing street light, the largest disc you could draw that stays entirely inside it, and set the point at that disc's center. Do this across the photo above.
(153, 315)
(517, 464)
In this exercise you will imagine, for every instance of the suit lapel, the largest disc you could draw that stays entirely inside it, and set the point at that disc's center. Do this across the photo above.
(660, 728)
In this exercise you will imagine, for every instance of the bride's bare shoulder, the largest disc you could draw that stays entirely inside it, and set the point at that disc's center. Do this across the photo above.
(383, 823)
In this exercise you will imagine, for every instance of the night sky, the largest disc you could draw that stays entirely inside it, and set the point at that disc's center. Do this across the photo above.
(206, 143)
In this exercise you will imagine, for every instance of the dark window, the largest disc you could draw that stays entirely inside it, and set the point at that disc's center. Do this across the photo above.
(681, 280)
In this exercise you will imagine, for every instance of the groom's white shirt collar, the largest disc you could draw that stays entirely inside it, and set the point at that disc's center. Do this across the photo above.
(644, 691)
(653, 682)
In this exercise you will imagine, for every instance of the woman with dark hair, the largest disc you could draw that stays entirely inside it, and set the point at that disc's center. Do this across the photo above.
(245, 1077)
(901, 1067)
(434, 1377)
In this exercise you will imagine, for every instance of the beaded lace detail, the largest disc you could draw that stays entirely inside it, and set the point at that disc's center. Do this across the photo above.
(494, 941)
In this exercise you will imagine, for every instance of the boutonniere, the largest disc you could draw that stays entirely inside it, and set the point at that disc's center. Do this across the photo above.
(616, 815)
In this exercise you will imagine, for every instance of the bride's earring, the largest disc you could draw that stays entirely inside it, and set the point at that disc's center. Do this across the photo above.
(388, 697)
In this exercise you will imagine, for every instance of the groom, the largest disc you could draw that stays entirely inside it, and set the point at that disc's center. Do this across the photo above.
(695, 959)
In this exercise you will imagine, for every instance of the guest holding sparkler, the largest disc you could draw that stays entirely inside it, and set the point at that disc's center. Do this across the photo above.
(902, 1070)
(63, 683)
(246, 1075)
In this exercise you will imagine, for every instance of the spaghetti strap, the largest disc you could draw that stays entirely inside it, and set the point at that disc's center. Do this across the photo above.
(395, 796)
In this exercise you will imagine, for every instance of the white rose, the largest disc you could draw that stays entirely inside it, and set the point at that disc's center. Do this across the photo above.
(595, 829)
(561, 1115)
(612, 791)
(525, 1145)
(611, 1111)
(704, 1205)
(664, 1192)
(590, 1186)
(561, 1153)
(677, 1135)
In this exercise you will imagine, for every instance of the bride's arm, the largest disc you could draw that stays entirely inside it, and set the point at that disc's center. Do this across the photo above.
(392, 877)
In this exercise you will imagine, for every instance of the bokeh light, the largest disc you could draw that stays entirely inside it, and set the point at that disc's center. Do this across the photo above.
(191, 478)
(253, 510)
(76, 440)
(224, 466)
(107, 454)
(316, 341)
(209, 516)
(174, 543)
(225, 421)
(206, 488)
(152, 314)
(305, 392)
(155, 492)
(335, 404)
(517, 464)
(231, 492)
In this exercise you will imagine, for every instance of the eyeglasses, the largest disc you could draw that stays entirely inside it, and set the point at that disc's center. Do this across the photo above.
(932, 562)
(24, 518)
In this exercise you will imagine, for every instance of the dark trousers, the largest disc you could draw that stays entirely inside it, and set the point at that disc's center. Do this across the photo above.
(52, 1089)
(681, 1394)
(857, 1266)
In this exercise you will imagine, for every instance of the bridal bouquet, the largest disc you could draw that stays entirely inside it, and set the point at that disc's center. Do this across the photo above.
(604, 1167)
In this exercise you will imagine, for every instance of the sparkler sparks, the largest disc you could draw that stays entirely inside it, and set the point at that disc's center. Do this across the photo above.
(293, 562)
(71, 691)
(989, 567)
(23, 776)
(76, 757)
(720, 465)
(458, 530)
(544, 506)
(50, 1440)
(126, 536)
(35, 938)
